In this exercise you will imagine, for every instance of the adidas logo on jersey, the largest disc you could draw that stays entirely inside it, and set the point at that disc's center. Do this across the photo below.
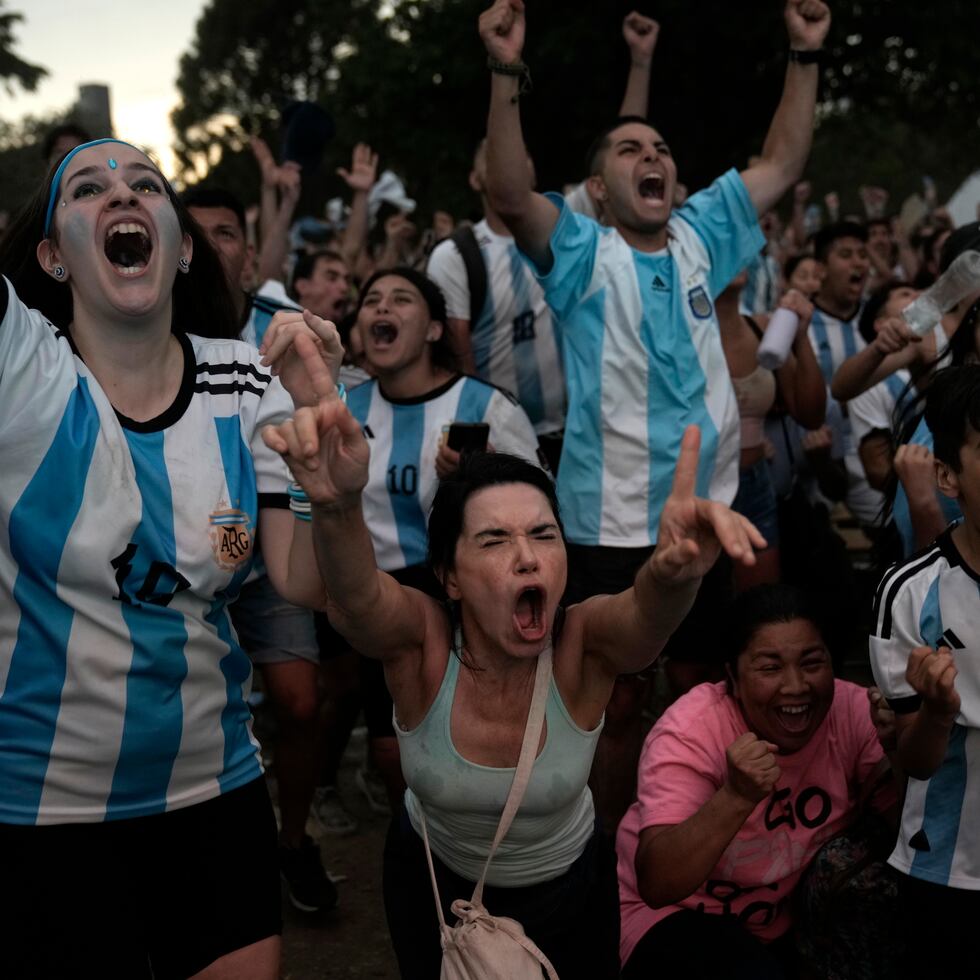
(659, 285)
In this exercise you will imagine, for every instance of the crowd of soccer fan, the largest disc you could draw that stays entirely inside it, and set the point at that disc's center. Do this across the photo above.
(410, 480)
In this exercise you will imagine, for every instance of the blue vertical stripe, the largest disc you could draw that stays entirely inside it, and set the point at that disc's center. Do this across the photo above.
(154, 718)
(236, 458)
(529, 392)
(943, 811)
(847, 334)
(824, 355)
(474, 400)
(40, 523)
(402, 478)
(260, 321)
(359, 401)
(580, 469)
(676, 391)
(930, 617)
(482, 332)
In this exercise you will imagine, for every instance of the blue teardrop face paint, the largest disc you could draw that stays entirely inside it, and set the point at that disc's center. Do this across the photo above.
(112, 164)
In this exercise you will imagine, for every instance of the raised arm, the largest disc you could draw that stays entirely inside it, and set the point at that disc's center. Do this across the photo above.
(787, 145)
(675, 860)
(892, 349)
(640, 34)
(529, 216)
(800, 379)
(360, 179)
(624, 633)
(281, 188)
(328, 455)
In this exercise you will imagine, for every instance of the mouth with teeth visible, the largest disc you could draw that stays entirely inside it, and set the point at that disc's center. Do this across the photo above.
(651, 188)
(529, 615)
(383, 333)
(795, 718)
(128, 247)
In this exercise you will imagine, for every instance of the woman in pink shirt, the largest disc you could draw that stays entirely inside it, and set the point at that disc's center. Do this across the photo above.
(739, 785)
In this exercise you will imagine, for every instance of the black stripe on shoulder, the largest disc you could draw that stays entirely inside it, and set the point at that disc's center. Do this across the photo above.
(895, 582)
(905, 706)
(268, 305)
(892, 569)
(234, 367)
(278, 501)
(231, 388)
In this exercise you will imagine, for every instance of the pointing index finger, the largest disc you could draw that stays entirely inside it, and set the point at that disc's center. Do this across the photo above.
(686, 468)
(317, 371)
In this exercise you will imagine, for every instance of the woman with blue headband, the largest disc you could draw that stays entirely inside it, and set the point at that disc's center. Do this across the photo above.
(136, 831)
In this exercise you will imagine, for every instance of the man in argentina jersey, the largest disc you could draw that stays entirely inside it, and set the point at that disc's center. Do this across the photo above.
(405, 436)
(123, 687)
(633, 302)
(925, 652)
(513, 344)
(842, 251)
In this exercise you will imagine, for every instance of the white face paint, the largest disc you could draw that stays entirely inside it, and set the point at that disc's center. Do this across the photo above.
(117, 234)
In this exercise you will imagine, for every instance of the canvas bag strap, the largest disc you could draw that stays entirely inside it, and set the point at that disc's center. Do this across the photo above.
(525, 763)
(522, 776)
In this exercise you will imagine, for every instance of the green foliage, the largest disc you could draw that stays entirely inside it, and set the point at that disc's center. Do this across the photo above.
(21, 163)
(13, 69)
(409, 77)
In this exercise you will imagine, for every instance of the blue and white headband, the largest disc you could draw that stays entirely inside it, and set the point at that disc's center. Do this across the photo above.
(56, 182)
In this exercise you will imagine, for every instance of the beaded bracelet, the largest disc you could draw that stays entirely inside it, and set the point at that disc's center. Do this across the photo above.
(299, 503)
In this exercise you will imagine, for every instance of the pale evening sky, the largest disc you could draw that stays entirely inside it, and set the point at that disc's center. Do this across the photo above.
(133, 48)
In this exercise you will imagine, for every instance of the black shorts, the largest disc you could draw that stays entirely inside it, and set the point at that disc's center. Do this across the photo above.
(153, 897)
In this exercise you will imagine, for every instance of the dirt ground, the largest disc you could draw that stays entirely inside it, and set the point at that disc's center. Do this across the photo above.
(351, 941)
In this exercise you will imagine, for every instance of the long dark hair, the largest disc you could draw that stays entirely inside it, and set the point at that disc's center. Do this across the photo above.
(202, 303)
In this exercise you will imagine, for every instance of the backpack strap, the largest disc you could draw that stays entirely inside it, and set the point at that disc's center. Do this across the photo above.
(465, 241)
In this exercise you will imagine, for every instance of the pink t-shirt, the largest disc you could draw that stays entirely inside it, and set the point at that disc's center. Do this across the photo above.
(684, 764)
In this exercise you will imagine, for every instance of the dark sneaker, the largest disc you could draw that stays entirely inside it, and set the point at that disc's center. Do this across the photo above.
(307, 884)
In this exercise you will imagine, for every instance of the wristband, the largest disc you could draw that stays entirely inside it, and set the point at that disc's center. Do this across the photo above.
(815, 57)
(341, 391)
(299, 503)
(516, 69)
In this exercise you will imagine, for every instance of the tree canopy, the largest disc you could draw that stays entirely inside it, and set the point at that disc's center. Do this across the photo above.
(409, 77)
(14, 70)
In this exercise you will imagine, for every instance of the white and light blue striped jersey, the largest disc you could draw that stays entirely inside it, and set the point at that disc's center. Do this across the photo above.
(761, 291)
(404, 436)
(922, 436)
(874, 410)
(514, 343)
(265, 304)
(122, 686)
(834, 340)
(643, 359)
(933, 599)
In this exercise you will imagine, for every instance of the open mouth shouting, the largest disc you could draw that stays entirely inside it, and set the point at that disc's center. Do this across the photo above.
(128, 247)
(795, 718)
(652, 188)
(383, 333)
(529, 614)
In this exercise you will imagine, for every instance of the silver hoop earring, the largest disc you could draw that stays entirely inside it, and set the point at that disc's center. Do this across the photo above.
(184, 264)
(59, 271)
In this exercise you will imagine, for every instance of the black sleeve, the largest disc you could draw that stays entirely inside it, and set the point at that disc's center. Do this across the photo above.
(4, 297)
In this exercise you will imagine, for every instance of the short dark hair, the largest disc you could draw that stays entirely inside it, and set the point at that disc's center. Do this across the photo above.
(873, 306)
(874, 222)
(475, 472)
(965, 238)
(202, 302)
(65, 129)
(442, 351)
(793, 263)
(952, 403)
(306, 264)
(203, 196)
(823, 240)
(593, 159)
(762, 605)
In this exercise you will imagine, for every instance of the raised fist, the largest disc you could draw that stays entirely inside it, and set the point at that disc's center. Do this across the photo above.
(502, 30)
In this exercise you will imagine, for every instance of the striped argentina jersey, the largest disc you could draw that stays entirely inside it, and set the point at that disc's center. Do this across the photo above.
(933, 599)
(514, 343)
(834, 340)
(643, 359)
(404, 436)
(761, 290)
(122, 686)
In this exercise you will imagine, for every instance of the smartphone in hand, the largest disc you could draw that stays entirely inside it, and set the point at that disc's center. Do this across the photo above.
(468, 436)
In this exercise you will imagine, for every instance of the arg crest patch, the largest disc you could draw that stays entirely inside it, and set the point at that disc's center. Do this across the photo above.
(231, 538)
(700, 305)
